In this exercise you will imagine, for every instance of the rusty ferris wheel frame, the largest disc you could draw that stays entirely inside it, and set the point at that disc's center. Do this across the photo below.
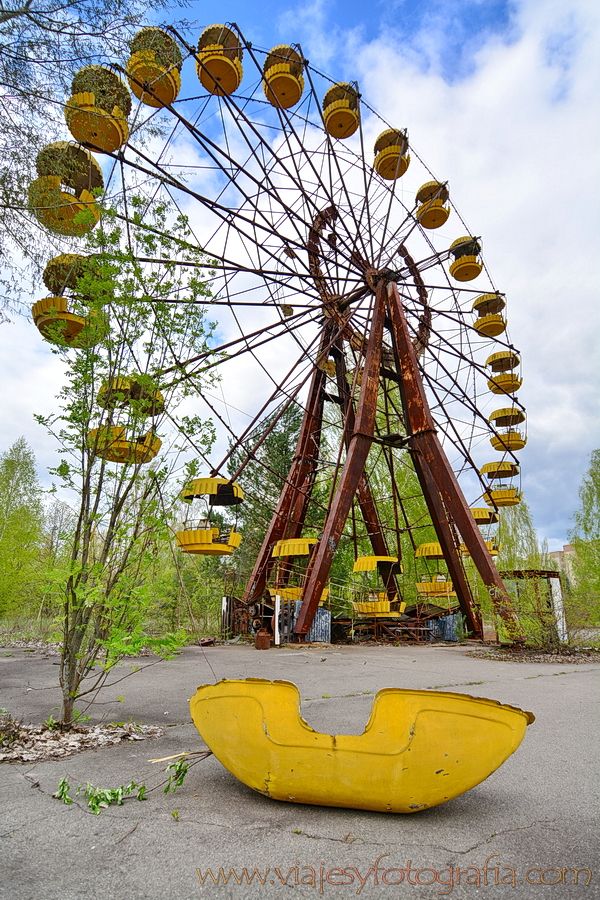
(300, 222)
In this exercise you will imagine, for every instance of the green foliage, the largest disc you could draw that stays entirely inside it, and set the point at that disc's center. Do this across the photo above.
(63, 792)
(263, 478)
(51, 723)
(10, 728)
(583, 601)
(103, 585)
(21, 529)
(98, 799)
(176, 772)
(101, 798)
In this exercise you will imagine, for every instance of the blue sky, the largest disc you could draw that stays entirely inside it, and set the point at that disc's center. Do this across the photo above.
(464, 24)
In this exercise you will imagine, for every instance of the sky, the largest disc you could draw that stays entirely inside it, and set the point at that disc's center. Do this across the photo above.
(501, 99)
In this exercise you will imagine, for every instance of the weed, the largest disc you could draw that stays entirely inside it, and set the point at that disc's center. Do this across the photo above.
(10, 728)
(176, 772)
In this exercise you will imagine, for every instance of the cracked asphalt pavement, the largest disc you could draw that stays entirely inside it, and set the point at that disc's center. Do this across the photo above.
(529, 831)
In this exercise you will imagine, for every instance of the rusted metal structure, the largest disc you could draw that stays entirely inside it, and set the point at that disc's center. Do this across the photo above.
(450, 514)
(309, 246)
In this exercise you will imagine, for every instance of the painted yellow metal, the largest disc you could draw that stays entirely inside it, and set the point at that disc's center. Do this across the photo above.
(511, 439)
(507, 416)
(293, 547)
(506, 496)
(491, 325)
(144, 67)
(467, 264)
(57, 324)
(219, 60)
(341, 115)
(221, 491)
(501, 469)
(432, 199)
(483, 515)
(207, 542)
(434, 588)
(492, 547)
(369, 563)
(100, 129)
(138, 392)
(431, 550)
(366, 607)
(507, 383)
(291, 592)
(390, 163)
(111, 442)
(59, 211)
(466, 268)
(418, 750)
(432, 214)
(283, 78)
(432, 190)
(503, 361)
(489, 303)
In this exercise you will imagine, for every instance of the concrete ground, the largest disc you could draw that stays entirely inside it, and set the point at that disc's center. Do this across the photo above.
(528, 831)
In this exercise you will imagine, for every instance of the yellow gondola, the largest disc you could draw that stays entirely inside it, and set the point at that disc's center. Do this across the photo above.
(436, 587)
(502, 496)
(138, 392)
(64, 271)
(283, 79)
(392, 158)
(419, 748)
(503, 361)
(154, 66)
(293, 547)
(467, 263)
(511, 439)
(431, 550)
(490, 326)
(371, 563)
(507, 416)
(220, 491)
(61, 197)
(483, 515)
(112, 443)
(379, 607)
(208, 541)
(433, 209)
(57, 324)
(291, 593)
(507, 383)
(501, 469)
(96, 113)
(490, 320)
(207, 538)
(341, 113)
(492, 547)
(219, 60)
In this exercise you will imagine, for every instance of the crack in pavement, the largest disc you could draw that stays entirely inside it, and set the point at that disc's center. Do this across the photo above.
(405, 843)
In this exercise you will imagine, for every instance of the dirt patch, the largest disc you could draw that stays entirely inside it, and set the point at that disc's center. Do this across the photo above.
(31, 743)
(567, 655)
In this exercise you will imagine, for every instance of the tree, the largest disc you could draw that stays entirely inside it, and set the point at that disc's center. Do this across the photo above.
(263, 478)
(42, 43)
(21, 528)
(584, 601)
(118, 396)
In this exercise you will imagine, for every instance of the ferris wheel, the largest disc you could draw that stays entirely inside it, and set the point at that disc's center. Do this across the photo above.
(343, 280)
